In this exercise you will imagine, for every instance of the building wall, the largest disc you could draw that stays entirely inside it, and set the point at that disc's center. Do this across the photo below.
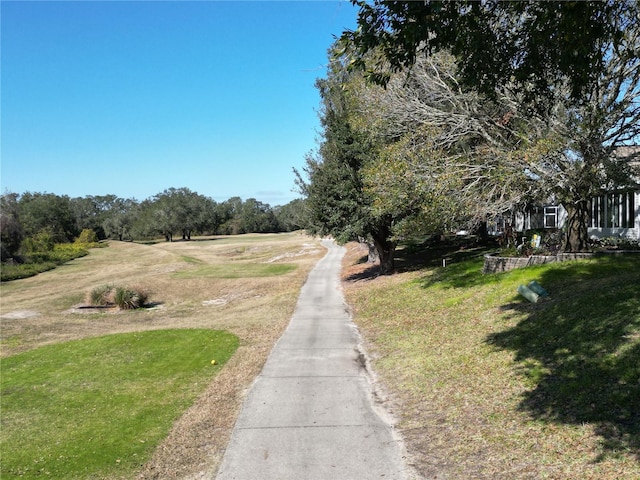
(633, 233)
(551, 216)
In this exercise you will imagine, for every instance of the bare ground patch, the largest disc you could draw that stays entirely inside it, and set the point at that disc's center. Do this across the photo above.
(19, 314)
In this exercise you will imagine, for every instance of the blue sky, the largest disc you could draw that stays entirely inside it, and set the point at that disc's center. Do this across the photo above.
(131, 98)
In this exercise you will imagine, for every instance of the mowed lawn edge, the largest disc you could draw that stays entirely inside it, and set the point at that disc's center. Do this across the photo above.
(485, 384)
(98, 407)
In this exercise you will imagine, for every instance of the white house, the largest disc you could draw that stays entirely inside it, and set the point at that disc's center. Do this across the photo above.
(611, 215)
(615, 214)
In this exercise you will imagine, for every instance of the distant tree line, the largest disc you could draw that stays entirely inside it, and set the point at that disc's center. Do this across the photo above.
(173, 213)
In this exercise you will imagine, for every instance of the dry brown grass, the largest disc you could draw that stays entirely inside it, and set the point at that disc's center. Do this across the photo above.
(43, 310)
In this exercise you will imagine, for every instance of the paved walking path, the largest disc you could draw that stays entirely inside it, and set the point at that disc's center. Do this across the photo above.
(309, 414)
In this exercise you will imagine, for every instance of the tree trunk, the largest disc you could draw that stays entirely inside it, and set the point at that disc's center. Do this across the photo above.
(482, 232)
(372, 256)
(576, 237)
(386, 249)
(387, 262)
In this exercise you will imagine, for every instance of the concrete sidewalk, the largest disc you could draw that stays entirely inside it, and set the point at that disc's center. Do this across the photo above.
(309, 414)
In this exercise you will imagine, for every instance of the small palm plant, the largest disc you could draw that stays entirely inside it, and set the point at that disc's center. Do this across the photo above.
(130, 298)
(126, 298)
(102, 296)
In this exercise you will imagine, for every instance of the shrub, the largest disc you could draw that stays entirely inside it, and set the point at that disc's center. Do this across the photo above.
(550, 244)
(126, 298)
(130, 298)
(24, 270)
(87, 237)
(40, 255)
(102, 295)
(619, 243)
(42, 241)
(64, 252)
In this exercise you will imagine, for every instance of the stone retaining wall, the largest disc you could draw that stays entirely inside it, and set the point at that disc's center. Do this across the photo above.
(494, 263)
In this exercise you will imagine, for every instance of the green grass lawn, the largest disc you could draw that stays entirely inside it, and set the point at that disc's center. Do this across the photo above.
(494, 386)
(97, 408)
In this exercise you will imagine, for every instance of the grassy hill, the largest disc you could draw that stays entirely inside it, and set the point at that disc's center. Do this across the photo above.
(488, 385)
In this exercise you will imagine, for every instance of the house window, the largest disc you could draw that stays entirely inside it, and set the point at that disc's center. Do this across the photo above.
(597, 212)
(615, 210)
(628, 210)
(550, 217)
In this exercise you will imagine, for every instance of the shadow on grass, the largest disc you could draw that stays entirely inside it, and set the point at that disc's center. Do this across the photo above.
(461, 269)
(369, 273)
(580, 350)
(456, 254)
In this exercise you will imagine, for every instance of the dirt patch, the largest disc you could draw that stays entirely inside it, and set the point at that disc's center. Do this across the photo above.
(230, 297)
(307, 249)
(216, 301)
(18, 314)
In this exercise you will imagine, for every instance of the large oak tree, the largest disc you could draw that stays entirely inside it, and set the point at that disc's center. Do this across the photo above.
(573, 63)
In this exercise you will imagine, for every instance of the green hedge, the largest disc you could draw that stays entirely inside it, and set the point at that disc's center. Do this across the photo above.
(38, 262)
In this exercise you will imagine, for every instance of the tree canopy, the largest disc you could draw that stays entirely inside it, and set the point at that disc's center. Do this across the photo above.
(537, 99)
(533, 46)
(435, 143)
